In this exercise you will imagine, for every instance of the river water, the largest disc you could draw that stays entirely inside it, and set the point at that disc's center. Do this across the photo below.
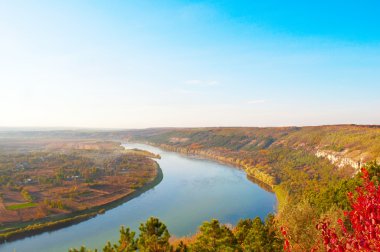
(192, 191)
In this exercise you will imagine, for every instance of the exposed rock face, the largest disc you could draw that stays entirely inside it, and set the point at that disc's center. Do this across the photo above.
(339, 159)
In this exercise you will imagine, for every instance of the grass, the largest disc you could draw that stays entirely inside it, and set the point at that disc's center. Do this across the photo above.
(282, 196)
(21, 206)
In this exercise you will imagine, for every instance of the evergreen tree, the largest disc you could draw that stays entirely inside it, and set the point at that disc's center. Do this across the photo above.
(82, 249)
(254, 235)
(242, 229)
(215, 237)
(154, 236)
(181, 247)
(275, 241)
(256, 239)
(127, 242)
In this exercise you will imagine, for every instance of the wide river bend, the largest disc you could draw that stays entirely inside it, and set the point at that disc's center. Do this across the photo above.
(193, 190)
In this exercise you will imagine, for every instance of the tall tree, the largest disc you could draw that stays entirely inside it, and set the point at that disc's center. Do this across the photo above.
(214, 236)
(127, 242)
(154, 236)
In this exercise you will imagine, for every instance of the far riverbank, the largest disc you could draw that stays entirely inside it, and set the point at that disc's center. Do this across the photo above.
(31, 228)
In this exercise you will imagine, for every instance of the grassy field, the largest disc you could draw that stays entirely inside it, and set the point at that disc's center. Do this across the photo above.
(21, 206)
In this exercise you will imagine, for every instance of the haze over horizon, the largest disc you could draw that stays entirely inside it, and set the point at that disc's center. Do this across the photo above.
(141, 64)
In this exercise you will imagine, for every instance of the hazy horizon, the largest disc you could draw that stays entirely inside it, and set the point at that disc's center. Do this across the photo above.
(145, 64)
(26, 129)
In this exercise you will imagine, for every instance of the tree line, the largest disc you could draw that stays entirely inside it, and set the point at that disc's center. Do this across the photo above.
(154, 236)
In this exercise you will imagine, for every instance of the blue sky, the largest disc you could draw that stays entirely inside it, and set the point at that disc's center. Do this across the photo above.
(137, 64)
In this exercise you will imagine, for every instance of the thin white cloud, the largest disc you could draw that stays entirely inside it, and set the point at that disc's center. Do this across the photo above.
(259, 101)
(202, 82)
(185, 91)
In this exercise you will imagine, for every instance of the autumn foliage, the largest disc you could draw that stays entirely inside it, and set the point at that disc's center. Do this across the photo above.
(361, 231)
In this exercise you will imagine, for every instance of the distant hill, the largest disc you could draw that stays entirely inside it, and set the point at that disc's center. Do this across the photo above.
(341, 144)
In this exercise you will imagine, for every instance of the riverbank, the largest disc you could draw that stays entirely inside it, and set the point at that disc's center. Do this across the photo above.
(57, 222)
(280, 194)
(262, 179)
(278, 191)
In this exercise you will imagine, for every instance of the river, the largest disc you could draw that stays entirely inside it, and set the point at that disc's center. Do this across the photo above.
(192, 191)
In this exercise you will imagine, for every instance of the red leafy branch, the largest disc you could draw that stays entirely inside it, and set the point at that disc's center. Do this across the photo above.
(363, 231)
